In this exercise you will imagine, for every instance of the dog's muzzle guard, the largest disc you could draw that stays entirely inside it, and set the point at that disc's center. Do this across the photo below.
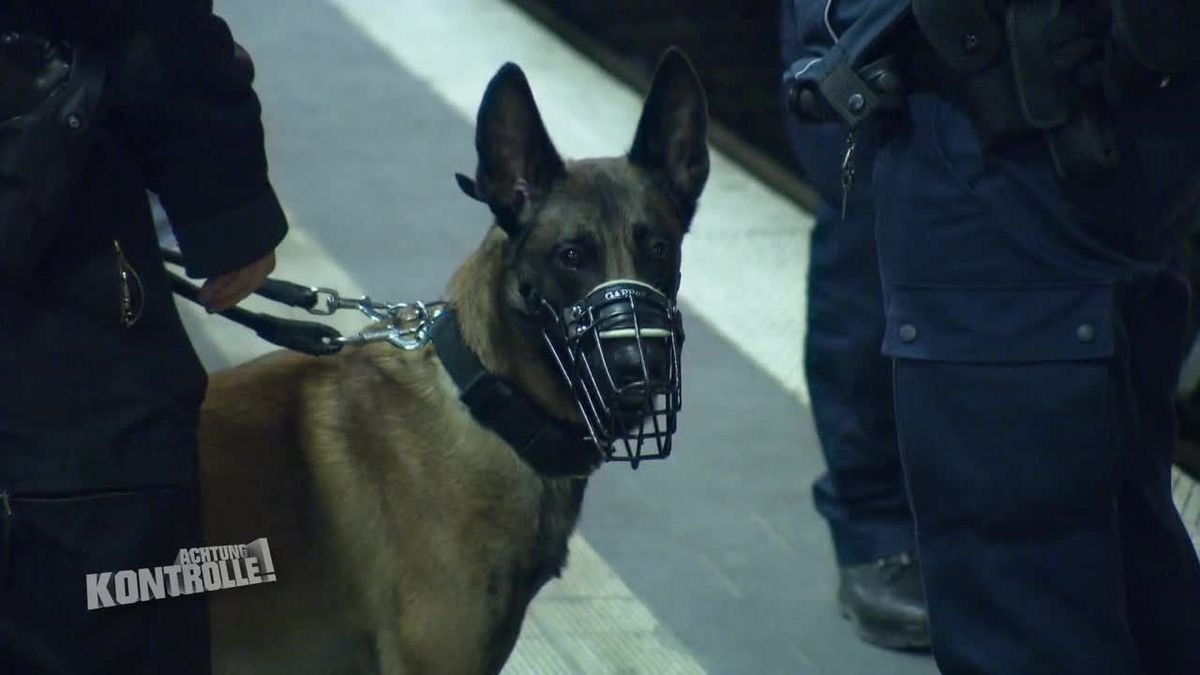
(618, 350)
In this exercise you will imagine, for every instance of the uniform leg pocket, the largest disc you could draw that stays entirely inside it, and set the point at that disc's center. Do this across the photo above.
(1000, 447)
(57, 540)
(1006, 401)
(1007, 414)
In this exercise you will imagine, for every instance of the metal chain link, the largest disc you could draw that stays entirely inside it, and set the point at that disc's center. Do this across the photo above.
(408, 323)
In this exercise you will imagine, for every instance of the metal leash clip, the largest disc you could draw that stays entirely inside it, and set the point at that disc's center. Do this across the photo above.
(407, 324)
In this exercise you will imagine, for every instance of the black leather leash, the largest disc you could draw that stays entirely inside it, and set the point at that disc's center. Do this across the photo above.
(309, 337)
(550, 446)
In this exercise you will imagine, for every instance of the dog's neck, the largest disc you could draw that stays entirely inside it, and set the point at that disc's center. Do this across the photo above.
(491, 330)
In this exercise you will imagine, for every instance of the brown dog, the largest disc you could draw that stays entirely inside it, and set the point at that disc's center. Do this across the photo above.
(408, 537)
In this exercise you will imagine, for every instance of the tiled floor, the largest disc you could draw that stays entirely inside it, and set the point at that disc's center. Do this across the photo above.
(711, 562)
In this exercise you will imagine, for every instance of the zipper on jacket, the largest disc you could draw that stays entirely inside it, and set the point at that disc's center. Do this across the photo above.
(6, 516)
(131, 303)
(81, 495)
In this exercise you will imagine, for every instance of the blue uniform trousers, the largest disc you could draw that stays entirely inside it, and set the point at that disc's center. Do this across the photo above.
(1037, 331)
(861, 494)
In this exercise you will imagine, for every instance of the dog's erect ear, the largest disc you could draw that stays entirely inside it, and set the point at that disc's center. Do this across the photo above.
(517, 161)
(468, 187)
(671, 137)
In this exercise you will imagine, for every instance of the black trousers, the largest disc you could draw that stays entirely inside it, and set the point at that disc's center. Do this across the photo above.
(97, 455)
(54, 540)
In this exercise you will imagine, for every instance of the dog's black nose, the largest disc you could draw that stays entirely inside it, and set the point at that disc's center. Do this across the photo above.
(633, 362)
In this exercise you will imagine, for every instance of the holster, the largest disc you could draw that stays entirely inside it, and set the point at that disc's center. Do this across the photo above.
(1027, 67)
(1162, 35)
(43, 149)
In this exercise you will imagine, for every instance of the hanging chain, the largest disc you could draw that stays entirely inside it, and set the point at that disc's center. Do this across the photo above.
(848, 169)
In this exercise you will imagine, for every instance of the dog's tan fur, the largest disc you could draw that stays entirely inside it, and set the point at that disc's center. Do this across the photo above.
(406, 537)
(388, 508)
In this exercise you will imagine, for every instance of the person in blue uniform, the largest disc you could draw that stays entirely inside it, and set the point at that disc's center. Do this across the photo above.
(99, 386)
(861, 495)
(1030, 210)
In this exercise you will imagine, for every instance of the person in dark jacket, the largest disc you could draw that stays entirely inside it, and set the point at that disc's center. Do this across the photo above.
(861, 494)
(1035, 317)
(100, 388)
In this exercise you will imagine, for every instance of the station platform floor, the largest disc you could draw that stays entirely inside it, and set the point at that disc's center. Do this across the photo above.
(713, 561)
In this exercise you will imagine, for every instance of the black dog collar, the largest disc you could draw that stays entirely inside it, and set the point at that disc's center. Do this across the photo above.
(555, 449)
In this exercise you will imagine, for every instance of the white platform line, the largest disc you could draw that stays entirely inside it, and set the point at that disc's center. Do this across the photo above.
(756, 238)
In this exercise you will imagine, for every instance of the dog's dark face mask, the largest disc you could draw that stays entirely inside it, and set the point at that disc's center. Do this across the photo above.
(594, 250)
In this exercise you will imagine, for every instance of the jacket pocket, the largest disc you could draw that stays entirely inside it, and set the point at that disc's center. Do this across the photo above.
(66, 550)
(94, 528)
(130, 291)
(6, 517)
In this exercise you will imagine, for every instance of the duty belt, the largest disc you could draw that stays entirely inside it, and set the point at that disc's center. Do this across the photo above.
(1045, 68)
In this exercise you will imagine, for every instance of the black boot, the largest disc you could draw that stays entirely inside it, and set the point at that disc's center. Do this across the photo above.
(886, 602)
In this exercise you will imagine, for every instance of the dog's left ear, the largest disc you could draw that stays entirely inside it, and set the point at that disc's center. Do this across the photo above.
(468, 187)
(517, 161)
(671, 138)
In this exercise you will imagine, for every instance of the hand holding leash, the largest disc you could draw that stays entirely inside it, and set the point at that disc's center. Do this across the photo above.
(220, 293)
(405, 325)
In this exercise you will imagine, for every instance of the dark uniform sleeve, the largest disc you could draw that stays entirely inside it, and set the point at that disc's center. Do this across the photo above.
(830, 42)
(194, 117)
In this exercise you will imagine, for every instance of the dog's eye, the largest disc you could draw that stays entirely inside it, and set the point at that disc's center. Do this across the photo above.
(571, 257)
(658, 251)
